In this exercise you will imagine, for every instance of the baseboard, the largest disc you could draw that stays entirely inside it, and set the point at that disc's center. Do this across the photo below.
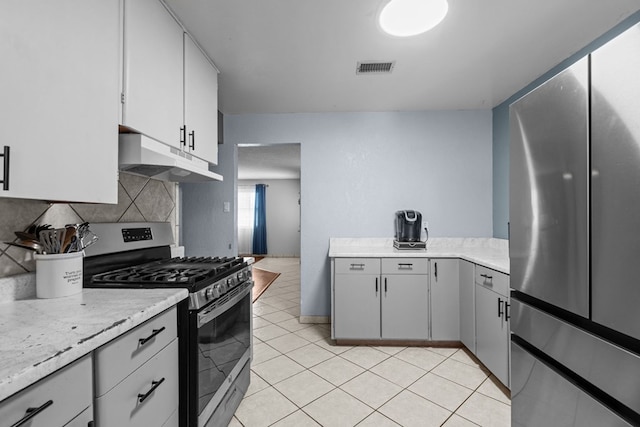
(315, 319)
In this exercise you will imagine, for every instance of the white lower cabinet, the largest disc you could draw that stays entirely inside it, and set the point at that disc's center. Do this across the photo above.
(380, 298)
(136, 375)
(492, 321)
(356, 299)
(444, 284)
(64, 398)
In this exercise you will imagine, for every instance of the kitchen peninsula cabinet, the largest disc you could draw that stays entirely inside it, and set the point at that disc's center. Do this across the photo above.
(492, 321)
(59, 99)
(381, 299)
(169, 87)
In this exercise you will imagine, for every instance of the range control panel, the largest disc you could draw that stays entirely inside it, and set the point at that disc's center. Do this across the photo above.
(136, 234)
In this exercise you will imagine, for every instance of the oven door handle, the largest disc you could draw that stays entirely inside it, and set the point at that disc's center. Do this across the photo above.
(206, 315)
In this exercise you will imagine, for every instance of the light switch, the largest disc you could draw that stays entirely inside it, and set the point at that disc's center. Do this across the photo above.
(226, 207)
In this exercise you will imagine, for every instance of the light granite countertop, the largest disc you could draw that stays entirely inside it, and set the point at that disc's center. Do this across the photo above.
(489, 252)
(40, 336)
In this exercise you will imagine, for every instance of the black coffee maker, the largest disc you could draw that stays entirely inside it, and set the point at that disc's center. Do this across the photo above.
(408, 226)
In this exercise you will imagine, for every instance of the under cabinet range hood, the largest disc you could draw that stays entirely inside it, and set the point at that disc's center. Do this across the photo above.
(141, 155)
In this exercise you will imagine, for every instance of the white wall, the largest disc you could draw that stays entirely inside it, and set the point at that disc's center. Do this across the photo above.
(359, 168)
(283, 215)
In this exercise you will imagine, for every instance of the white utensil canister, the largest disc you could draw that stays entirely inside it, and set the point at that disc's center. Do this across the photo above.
(58, 275)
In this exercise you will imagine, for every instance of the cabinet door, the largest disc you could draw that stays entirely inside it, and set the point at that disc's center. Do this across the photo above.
(153, 71)
(357, 306)
(59, 398)
(492, 332)
(59, 103)
(200, 103)
(405, 306)
(445, 300)
(467, 306)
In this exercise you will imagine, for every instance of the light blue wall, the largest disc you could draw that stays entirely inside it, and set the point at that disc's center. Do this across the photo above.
(501, 129)
(359, 168)
(205, 229)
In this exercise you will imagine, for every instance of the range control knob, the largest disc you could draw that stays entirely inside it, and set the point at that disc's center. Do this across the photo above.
(209, 294)
(240, 276)
(222, 287)
(230, 283)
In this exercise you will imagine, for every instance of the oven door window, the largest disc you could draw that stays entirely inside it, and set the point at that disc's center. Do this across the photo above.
(221, 343)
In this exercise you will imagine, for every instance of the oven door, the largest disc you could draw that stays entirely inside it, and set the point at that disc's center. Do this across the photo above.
(223, 346)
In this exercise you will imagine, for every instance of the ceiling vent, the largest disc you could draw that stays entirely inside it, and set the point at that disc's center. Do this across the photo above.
(373, 67)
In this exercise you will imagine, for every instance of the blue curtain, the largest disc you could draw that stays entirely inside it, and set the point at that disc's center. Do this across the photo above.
(260, 221)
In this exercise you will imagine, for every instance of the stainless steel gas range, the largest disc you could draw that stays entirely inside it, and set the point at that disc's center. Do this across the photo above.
(214, 323)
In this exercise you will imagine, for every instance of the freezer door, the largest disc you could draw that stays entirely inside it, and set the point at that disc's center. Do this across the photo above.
(548, 205)
(615, 183)
(542, 397)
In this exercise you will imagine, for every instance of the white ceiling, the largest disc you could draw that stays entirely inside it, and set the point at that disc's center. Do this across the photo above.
(281, 56)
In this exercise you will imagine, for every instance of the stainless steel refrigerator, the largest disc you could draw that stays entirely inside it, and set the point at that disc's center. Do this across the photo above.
(575, 243)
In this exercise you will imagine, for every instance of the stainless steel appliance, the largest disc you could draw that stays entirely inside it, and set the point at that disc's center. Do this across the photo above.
(574, 213)
(214, 324)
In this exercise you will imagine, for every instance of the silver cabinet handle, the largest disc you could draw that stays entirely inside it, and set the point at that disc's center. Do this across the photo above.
(357, 266)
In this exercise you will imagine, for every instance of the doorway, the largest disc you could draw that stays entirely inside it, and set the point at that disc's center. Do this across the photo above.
(277, 168)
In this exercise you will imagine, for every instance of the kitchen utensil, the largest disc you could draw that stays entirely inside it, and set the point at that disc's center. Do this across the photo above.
(30, 245)
(25, 236)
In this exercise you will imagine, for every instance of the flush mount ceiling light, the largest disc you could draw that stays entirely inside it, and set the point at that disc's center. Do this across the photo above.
(405, 18)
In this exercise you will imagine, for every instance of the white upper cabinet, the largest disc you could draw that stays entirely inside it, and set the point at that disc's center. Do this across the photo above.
(59, 103)
(169, 87)
(153, 72)
(200, 103)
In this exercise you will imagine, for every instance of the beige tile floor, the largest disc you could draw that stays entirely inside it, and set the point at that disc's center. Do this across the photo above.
(301, 378)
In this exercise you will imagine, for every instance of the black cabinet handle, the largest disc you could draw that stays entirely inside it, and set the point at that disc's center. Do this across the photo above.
(500, 307)
(192, 144)
(507, 315)
(5, 174)
(143, 341)
(486, 276)
(154, 385)
(183, 136)
(405, 265)
(376, 286)
(32, 412)
(435, 268)
(385, 285)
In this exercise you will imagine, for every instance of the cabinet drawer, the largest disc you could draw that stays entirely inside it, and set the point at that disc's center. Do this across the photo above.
(405, 266)
(494, 280)
(357, 265)
(69, 389)
(121, 406)
(118, 358)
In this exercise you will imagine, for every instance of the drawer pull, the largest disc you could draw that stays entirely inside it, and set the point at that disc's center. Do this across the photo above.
(358, 266)
(405, 265)
(154, 386)
(143, 341)
(486, 276)
(32, 412)
(5, 173)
